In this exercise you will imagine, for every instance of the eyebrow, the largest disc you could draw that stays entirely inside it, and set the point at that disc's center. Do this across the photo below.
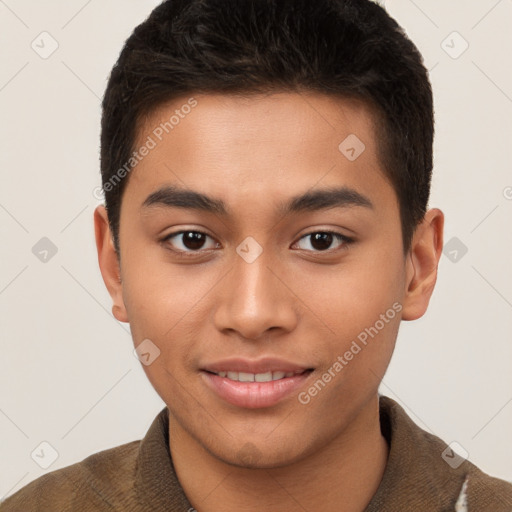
(322, 199)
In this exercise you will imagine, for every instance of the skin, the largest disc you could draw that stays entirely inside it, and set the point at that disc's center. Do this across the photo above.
(294, 301)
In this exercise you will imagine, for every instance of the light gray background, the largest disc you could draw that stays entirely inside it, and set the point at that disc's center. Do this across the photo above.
(68, 375)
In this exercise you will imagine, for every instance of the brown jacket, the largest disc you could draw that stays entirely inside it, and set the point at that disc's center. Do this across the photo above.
(139, 477)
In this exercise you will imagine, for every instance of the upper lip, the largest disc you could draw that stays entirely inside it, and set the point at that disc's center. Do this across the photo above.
(264, 365)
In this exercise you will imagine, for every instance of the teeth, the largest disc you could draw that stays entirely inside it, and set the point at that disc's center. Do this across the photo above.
(255, 377)
(263, 377)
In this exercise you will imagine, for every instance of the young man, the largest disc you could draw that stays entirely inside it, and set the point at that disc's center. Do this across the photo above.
(266, 167)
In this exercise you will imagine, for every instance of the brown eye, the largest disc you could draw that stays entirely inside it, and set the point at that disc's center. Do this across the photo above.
(189, 241)
(321, 241)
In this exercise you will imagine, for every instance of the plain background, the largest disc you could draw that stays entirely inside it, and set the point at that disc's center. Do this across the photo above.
(68, 375)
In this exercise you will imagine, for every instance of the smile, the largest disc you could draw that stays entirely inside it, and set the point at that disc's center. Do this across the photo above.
(255, 377)
(254, 384)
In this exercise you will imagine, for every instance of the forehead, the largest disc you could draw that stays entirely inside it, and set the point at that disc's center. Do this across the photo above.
(259, 147)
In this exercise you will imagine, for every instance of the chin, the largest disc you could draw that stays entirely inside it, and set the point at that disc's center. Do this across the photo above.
(250, 456)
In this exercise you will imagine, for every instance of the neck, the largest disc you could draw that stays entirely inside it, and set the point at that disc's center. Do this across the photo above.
(343, 475)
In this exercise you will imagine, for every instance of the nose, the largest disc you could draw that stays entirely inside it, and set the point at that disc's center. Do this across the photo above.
(255, 298)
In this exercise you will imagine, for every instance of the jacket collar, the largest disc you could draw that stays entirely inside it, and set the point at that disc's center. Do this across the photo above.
(416, 475)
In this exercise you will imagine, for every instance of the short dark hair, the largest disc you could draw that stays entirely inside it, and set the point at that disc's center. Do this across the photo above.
(343, 48)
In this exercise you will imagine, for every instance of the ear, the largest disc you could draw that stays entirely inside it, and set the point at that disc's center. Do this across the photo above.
(109, 262)
(421, 264)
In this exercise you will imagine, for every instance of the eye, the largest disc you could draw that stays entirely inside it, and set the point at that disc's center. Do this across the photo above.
(189, 241)
(321, 241)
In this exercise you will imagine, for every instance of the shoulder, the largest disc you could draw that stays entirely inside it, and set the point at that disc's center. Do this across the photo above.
(485, 492)
(102, 481)
(477, 489)
(426, 472)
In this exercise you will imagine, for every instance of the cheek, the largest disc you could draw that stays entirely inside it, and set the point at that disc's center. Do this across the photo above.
(361, 305)
(165, 305)
(353, 296)
(158, 295)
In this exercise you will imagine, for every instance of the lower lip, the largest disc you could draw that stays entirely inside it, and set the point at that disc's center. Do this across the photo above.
(254, 395)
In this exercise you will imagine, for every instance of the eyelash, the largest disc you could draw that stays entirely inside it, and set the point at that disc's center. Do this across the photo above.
(346, 241)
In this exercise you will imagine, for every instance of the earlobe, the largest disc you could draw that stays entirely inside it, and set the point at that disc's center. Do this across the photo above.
(422, 263)
(109, 263)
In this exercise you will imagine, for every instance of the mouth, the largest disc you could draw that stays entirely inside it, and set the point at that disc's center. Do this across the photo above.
(254, 385)
(258, 377)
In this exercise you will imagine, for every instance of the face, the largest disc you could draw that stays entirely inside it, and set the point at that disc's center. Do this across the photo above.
(289, 266)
